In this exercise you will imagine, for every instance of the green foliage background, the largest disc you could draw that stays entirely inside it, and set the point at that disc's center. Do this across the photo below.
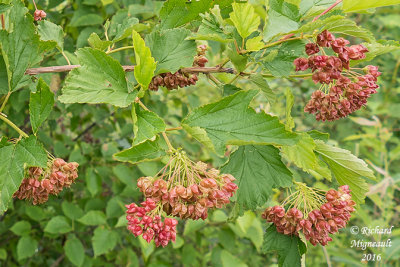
(85, 225)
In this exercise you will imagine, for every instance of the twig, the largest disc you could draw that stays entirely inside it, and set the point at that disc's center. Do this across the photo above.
(66, 68)
(327, 10)
(3, 24)
(58, 261)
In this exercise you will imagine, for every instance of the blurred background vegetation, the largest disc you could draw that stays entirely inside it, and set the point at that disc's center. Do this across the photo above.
(90, 134)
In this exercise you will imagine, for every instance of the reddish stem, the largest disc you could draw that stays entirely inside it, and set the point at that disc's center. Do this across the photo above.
(34, 3)
(327, 10)
(3, 24)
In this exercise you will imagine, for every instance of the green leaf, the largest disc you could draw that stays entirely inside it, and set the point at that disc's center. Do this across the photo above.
(71, 210)
(347, 169)
(96, 43)
(21, 228)
(231, 121)
(302, 154)
(145, 64)
(40, 105)
(115, 207)
(20, 47)
(26, 153)
(342, 25)
(49, 31)
(378, 48)
(100, 79)
(4, 7)
(175, 13)
(244, 18)
(103, 241)
(93, 217)
(257, 170)
(280, 63)
(211, 27)
(282, 17)
(357, 5)
(124, 29)
(148, 125)
(74, 251)
(3, 77)
(254, 44)
(26, 247)
(314, 134)
(93, 182)
(58, 225)
(84, 17)
(228, 260)
(3, 252)
(171, 50)
(289, 248)
(239, 61)
(337, 24)
(146, 151)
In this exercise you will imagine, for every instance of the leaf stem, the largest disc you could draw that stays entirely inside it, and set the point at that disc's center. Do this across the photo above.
(119, 49)
(328, 261)
(327, 10)
(66, 58)
(286, 40)
(5, 101)
(173, 129)
(15, 127)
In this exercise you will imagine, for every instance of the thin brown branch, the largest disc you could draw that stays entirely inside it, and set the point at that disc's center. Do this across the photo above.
(66, 68)
(327, 10)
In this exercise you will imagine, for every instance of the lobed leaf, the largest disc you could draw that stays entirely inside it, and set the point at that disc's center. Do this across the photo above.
(257, 169)
(231, 121)
(244, 18)
(100, 79)
(347, 169)
(40, 104)
(145, 64)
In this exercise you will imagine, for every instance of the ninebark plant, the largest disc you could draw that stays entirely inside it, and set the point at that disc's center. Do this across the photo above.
(186, 44)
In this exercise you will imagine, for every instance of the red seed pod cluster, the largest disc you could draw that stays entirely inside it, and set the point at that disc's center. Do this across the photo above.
(191, 199)
(38, 184)
(319, 223)
(180, 79)
(348, 90)
(39, 14)
(143, 221)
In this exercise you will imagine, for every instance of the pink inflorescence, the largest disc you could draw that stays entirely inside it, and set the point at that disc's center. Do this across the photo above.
(141, 221)
(344, 95)
(193, 200)
(38, 183)
(328, 219)
(39, 15)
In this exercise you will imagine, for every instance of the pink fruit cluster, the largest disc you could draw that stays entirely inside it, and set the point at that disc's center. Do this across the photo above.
(348, 90)
(328, 219)
(191, 200)
(39, 15)
(39, 183)
(141, 221)
(180, 79)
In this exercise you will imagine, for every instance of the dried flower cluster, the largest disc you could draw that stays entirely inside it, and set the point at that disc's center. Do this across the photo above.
(347, 90)
(318, 223)
(190, 198)
(38, 183)
(183, 189)
(39, 14)
(150, 227)
(180, 79)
